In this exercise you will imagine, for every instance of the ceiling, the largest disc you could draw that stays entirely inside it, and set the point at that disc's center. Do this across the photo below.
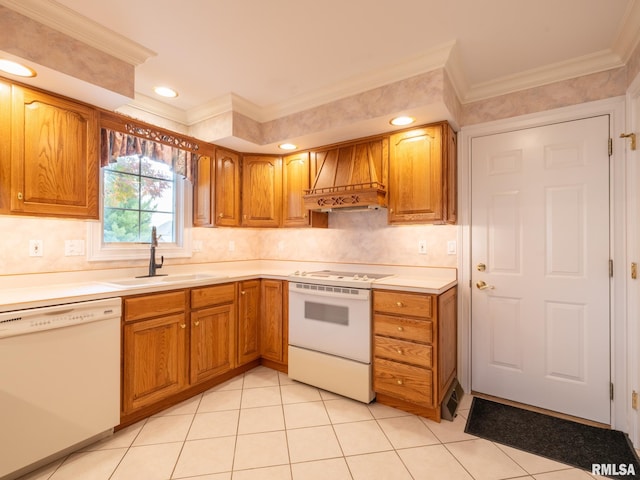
(283, 56)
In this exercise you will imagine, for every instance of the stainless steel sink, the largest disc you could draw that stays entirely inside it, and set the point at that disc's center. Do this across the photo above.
(160, 280)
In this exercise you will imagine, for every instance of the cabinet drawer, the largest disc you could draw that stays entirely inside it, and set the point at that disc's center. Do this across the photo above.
(401, 351)
(213, 295)
(147, 306)
(397, 303)
(409, 383)
(403, 328)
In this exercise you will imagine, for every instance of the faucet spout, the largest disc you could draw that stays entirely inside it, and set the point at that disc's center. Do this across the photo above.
(153, 266)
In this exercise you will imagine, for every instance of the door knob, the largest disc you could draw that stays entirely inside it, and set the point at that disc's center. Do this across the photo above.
(483, 286)
(481, 267)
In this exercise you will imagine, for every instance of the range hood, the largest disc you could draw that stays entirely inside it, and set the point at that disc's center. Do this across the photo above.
(349, 177)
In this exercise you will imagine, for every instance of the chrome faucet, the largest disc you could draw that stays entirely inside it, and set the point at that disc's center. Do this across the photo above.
(153, 266)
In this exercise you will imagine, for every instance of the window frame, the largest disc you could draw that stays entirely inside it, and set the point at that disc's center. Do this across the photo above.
(98, 251)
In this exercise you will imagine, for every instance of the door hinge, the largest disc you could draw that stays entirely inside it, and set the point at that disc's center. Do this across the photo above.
(610, 146)
(611, 268)
(634, 400)
(611, 390)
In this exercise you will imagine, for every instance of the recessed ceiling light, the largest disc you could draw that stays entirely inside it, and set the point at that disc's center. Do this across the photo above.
(400, 121)
(15, 68)
(166, 92)
(287, 146)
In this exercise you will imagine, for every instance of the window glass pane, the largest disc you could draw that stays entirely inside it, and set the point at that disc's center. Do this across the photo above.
(157, 195)
(130, 164)
(165, 226)
(121, 225)
(149, 168)
(121, 190)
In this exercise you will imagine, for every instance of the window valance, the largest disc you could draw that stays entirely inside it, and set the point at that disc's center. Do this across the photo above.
(116, 144)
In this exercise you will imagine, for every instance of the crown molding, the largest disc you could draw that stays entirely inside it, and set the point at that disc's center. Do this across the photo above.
(629, 35)
(433, 59)
(68, 22)
(585, 65)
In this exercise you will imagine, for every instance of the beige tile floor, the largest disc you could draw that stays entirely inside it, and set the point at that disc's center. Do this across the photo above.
(264, 426)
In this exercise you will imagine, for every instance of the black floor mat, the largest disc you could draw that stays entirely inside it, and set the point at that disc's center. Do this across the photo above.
(581, 446)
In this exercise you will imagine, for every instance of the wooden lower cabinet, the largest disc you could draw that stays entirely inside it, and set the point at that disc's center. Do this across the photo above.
(248, 321)
(212, 346)
(414, 348)
(274, 330)
(155, 360)
(179, 343)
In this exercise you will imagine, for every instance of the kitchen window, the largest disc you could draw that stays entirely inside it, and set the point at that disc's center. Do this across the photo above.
(141, 186)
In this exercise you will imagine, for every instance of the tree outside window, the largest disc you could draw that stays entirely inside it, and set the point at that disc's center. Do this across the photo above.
(139, 193)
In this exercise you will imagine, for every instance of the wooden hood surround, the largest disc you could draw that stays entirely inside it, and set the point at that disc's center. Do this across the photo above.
(350, 177)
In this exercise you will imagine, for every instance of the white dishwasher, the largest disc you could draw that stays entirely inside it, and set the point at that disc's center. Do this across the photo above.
(59, 381)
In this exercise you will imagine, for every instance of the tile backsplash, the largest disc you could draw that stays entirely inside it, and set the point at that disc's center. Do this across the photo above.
(352, 237)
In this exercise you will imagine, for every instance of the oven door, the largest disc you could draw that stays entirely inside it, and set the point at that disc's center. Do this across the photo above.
(333, 320)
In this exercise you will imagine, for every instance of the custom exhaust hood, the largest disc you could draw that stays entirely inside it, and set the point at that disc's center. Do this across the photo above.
(349, 177)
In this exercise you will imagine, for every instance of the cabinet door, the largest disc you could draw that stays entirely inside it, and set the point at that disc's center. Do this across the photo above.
(248, 321)
(261, 191)
(272, 328)
(5, 147)
(416, 176)
(295, 180)
(227, 188)
(212, 342)
(54, 156)
(154, 360)
(203, 193)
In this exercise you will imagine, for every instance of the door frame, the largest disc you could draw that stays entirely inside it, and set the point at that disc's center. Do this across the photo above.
(615, 107)
(633, 249)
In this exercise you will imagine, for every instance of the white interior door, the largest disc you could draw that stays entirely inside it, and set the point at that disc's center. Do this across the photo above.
(540, 260)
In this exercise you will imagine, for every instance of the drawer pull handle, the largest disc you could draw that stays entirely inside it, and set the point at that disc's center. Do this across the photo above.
(400, 329)
(400, 304)
(183, 325)
(399, 382)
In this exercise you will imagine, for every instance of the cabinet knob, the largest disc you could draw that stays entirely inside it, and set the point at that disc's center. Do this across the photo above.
(304, 216)
(400, 329)
(19, 195)
(243, 292)
(196, 323)
(400, 304)
(400, 352)
(183, 325)
(399, 382)
(220, 215)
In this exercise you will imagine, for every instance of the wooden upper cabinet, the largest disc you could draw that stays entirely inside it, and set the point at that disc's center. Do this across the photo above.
(203, 192)
(261, 191)
(5, 147)
(295, 180)
(298, 171)
(422, 176)
(54, 156)
(227, 188)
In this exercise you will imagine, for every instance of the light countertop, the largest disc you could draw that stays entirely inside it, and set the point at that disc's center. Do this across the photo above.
(37, 290)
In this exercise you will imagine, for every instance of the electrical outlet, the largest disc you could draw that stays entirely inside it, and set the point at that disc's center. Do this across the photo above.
(73, 247)
(452, 247)
(35, 248)
(422, 247)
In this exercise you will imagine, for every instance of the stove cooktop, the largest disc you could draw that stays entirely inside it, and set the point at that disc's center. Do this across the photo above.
(334, 277)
